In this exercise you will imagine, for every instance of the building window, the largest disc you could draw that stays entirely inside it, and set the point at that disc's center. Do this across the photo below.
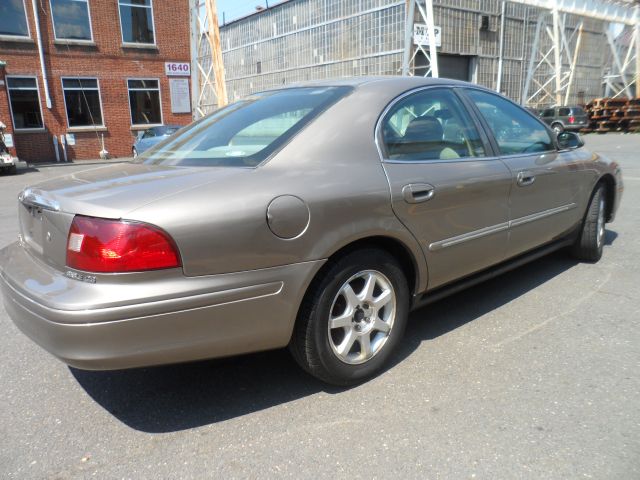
(24, 101)
(71, 19)
(13, 19)
(82, 101)
(136, 21)
(144, 101)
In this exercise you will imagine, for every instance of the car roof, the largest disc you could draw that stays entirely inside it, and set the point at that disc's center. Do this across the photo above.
(381, 81)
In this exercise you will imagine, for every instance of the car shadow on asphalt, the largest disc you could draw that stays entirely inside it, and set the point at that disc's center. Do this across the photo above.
(20, 171)
(180, 397)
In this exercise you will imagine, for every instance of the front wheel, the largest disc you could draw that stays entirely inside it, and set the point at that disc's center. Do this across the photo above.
(352, 318)
(589, 245)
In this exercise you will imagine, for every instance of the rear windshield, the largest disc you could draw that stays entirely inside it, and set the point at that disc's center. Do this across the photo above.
(578, 111)
(247, 132)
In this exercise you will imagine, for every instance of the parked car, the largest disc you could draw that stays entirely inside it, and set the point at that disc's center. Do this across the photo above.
(314, 216)
(152, 136)
(8, 163)
(565, 118)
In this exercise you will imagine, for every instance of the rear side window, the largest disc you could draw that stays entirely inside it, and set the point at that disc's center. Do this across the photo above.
(515, 130)
(245, 133)
(430, 125)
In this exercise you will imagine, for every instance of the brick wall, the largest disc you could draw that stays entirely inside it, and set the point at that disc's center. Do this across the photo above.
(109, 61)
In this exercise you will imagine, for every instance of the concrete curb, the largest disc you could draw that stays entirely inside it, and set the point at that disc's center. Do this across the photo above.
(78, 163)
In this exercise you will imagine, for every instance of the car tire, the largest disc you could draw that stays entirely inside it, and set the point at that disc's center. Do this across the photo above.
(345, 331)
(558, 128)
(134, 152)
(589, 245)
(12, 170)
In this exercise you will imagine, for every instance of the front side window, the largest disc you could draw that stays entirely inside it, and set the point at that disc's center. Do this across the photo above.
(13, 18)
(247, 132)
(144, 101)
(515, 130)
(82, 99)
(24, 100)
(136, 21)
(71, 19)
(430, 125)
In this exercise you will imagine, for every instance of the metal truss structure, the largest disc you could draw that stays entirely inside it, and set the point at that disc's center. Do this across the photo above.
(551, 69)
(426, 15)
(623, 75)
(208, 88)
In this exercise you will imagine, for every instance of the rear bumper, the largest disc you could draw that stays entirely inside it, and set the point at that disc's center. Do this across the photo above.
(173, 319)
(575, 127)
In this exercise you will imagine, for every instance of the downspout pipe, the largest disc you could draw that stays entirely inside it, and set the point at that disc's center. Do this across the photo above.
(41, 54)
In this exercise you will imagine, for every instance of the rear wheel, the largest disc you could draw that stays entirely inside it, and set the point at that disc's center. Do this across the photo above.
(352, 318)
(134, 152)
(589, 245)
(558, 128)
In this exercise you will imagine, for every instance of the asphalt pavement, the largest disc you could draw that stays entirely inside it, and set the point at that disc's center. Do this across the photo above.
(532, 375)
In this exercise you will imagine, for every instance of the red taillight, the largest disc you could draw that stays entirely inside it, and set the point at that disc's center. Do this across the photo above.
(572, 119)
(110, 246)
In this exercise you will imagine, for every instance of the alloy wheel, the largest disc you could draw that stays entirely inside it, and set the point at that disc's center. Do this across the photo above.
(361, 317)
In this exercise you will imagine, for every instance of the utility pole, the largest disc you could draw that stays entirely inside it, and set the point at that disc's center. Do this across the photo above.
(216, 54)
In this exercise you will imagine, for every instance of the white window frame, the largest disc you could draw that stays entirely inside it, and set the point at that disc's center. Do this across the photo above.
(5, 36)
(66, 112)
(126, 3)
(142, 125)
(15, 129)
(72, 40)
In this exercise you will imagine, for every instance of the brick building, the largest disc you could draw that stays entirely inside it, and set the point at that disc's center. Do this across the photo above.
(101, 74)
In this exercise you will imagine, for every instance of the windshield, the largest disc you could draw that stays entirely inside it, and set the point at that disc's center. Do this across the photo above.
(247, 132)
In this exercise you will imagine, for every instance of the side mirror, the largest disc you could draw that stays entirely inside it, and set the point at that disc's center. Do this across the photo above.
(569, 141)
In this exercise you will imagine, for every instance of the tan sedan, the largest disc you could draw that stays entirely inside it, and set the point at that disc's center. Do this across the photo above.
(313, 216)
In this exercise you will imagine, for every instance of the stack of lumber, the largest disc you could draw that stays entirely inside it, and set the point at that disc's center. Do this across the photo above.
(613, 115)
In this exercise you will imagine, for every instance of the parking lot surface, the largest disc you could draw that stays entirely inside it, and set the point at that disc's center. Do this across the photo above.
(530, 375)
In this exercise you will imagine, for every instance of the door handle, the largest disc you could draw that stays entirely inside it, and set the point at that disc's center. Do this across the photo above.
(524, 179)
(418, 192)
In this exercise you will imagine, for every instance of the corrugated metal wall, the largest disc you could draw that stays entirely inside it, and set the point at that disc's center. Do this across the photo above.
(314, 39)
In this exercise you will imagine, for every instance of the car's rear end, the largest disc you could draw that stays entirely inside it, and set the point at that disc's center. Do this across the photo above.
(99, 288)
(573, 118)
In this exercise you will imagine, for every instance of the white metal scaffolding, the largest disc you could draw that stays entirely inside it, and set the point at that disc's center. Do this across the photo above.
(554, 57)
(207, 71)
(425, 9)
(551, 70)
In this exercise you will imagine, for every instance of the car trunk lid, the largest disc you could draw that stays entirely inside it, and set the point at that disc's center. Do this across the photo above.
(46, 211)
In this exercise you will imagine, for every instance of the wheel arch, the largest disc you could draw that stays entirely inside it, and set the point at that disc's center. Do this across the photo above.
(396, 248)
(609, 183)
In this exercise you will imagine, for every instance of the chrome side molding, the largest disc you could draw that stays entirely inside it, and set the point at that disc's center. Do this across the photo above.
(501, 227)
